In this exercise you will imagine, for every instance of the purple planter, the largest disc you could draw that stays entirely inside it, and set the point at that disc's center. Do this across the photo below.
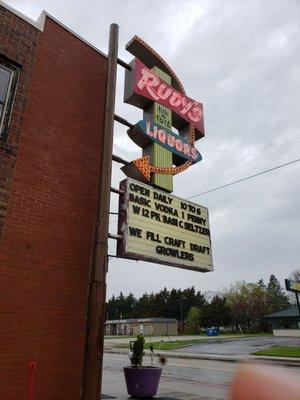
(142, 382)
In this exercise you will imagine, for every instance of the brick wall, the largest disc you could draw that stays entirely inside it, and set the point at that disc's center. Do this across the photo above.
(18, 41)
(46, 241)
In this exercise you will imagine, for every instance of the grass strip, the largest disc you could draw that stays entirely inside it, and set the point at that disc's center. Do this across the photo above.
(279, 351)
(175, 344)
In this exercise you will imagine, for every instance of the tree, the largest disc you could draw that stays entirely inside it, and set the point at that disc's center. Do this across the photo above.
(169, 304)
(111, 308)
(175, 304)
(193, 321)
(278, 300)
(248, 303)
(209, 295)
(121, 306)
(216, 313)
(262, 284)
(160, 303)
(130, 303)
(295, 275)
(143, 306)
(191, 298)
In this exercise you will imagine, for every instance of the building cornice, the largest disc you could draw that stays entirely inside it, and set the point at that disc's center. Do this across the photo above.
(40, 24)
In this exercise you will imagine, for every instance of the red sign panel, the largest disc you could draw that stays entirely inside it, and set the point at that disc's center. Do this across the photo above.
(151, 86)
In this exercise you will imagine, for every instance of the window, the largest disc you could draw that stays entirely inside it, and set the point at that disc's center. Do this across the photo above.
(8, 82)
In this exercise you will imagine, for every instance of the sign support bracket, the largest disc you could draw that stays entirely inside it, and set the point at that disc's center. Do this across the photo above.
(117, 191)
(116, 237)
(124, 64)
(123, 121)
(119, 160)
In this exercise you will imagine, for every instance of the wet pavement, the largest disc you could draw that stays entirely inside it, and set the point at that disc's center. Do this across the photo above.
(238, 347)
(182, 379)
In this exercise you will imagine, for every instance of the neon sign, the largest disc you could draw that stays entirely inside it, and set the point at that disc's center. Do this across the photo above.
(144, 132)
(148, 84)
(152, 86)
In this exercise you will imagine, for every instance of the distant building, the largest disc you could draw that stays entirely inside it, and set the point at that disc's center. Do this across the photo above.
(146, 326)
(286, 322)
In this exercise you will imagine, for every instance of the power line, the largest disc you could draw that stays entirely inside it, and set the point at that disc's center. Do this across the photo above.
(237, 181)
(244, 179)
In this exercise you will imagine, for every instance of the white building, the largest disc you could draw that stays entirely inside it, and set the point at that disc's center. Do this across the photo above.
(146, 326)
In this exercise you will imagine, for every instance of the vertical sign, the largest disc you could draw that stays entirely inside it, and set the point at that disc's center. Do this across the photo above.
(155, 88)
(161, 156)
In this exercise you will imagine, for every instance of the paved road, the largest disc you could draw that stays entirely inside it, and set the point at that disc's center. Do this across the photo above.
(239, 347)
(182, 379)
(110, 341)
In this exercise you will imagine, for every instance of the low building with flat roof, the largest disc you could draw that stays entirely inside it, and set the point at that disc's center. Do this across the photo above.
(286, 322)
(146, 326)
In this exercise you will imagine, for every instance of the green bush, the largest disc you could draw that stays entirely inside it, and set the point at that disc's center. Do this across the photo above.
(137, 348)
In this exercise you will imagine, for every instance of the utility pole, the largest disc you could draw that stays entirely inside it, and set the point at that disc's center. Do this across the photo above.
(93, 356)
(298, 304)
(181, 314)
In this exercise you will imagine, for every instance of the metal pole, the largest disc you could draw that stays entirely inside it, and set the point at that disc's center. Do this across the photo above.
(298, 304)
(181, 313)
(93, 356)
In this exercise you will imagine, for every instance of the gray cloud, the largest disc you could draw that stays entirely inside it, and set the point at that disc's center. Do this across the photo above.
(241, 59)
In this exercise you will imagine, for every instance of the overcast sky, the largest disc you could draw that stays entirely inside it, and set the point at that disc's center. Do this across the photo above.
(241, 60)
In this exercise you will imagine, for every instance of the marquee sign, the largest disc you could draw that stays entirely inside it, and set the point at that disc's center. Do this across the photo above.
(162, 228)
(153, 86)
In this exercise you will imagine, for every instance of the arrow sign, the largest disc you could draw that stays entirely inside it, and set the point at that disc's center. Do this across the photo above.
(144, 132)
(141, 169)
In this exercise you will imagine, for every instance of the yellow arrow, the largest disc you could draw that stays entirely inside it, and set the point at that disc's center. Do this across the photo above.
(144, 166)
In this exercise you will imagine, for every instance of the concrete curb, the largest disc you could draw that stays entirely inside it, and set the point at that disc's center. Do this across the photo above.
(288, 361)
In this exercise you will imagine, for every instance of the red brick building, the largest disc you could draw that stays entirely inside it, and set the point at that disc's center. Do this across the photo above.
(52, 96)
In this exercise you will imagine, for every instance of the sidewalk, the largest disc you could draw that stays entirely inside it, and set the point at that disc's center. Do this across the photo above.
(289, 361)
(114, 388)
(185, 376)
(177, 381)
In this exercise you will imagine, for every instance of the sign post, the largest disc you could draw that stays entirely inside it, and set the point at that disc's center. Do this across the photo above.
(160, 156)
(293, 287)
(93, 355)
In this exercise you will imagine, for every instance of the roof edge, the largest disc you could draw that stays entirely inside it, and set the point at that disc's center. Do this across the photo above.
(30, 21)
(286, 312)
(141, 320)
(42, 18)
(40, 24)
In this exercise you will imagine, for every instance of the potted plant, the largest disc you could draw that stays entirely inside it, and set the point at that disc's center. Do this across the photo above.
(141, 381)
